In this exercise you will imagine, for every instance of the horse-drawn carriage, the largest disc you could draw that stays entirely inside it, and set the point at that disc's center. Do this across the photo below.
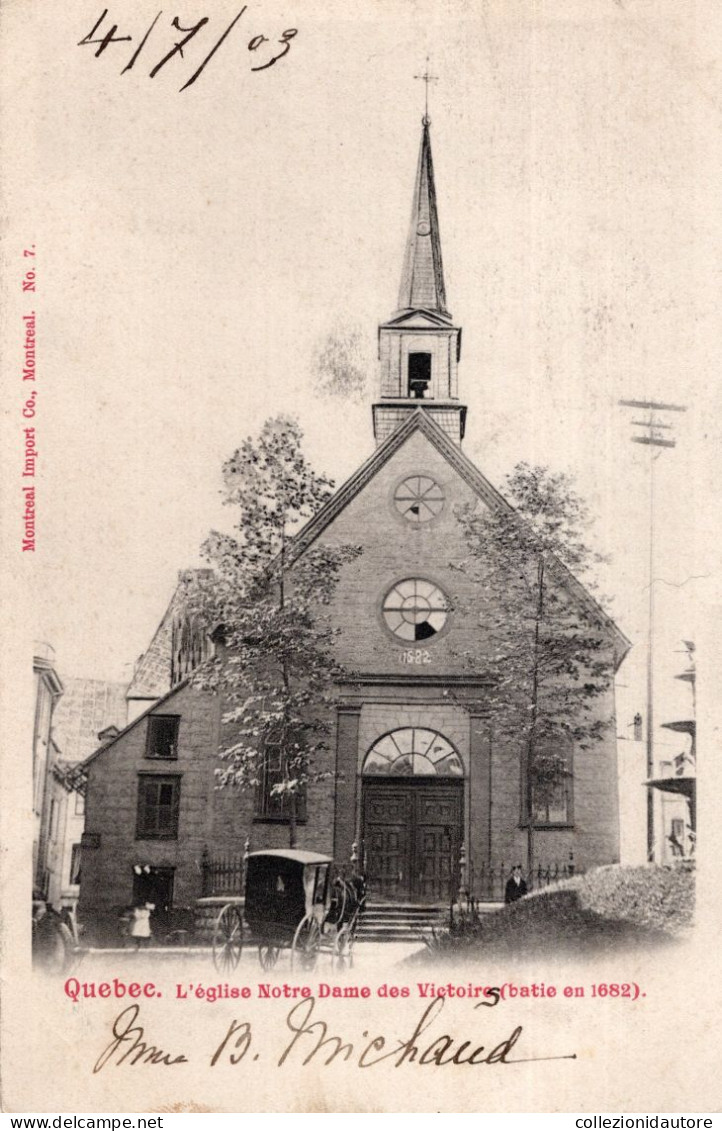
(291, 901)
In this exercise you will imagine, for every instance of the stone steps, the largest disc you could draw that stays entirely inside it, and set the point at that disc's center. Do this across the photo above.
(381, 922)
(393, 923)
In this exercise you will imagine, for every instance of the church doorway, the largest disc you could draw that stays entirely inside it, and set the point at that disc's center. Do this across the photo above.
(412, 811)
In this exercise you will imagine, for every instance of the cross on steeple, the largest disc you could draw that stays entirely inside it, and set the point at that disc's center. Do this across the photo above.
(426, 78)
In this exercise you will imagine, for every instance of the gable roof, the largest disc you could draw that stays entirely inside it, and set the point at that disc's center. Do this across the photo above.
(88, 706)
(153, 675)
(131, 725)
(421, 421)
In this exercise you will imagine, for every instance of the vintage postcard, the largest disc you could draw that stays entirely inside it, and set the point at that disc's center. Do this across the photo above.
(360, 556)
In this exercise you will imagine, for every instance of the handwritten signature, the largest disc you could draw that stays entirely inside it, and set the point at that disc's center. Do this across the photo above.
(312, 1041)
(266, 47)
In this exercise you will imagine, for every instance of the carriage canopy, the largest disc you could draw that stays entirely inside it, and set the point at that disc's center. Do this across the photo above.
(282, 886)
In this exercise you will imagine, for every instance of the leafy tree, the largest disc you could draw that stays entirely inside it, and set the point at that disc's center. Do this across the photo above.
(341, 364)
(276, 671)
(548, 653)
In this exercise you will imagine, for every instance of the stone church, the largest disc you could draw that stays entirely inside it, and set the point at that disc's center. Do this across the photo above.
(420, 787)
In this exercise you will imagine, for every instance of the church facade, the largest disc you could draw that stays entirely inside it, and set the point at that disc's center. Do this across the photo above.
(422, 786)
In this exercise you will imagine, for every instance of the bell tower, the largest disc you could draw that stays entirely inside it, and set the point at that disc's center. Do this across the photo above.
(419, 346)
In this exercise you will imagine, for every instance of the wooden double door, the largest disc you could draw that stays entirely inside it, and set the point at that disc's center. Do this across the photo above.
(412, 837)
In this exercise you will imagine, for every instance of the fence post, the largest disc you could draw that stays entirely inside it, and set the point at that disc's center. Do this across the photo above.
(463, 885)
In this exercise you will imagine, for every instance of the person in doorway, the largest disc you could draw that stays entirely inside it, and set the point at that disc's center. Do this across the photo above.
(515, 885)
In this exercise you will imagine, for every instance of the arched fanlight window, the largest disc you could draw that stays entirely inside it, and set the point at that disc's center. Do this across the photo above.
(412, 751)
(415, 609)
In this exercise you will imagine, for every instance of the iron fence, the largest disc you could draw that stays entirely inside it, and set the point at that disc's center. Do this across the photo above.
(487, 883)
(223, 875)
(226, 875)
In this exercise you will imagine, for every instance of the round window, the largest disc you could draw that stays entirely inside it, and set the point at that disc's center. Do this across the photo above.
(415, 609)
(419, 498)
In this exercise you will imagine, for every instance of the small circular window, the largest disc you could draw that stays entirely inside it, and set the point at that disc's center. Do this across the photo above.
(419, 498)
(415, 609)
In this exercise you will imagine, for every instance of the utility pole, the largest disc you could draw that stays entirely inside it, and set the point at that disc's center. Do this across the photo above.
(654, 426)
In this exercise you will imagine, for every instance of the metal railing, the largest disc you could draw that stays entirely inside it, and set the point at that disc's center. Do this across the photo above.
(487, 883)
(223, 875)
(226, 875)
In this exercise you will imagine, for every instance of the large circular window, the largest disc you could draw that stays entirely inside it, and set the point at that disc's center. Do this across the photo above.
(419, 498)
(413, 751)
(415, 609)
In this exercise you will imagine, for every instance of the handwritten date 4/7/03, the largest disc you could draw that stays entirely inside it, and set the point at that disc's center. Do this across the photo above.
(169, 37)
(312, 1041)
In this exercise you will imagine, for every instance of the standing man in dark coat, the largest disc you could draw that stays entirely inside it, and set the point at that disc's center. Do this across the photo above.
(515, 886)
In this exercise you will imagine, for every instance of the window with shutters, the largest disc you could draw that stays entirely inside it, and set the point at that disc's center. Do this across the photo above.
(158, 803)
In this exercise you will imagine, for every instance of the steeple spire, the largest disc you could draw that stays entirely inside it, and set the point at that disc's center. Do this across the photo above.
(419, 346)
(422, 280)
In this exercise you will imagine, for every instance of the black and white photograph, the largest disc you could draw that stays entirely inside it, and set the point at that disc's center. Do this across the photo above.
(361, 553)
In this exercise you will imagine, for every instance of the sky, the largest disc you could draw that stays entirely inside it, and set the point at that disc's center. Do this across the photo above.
(195, 248)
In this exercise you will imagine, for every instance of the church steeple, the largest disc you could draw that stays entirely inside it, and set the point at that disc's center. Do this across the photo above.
(419, 347)
(422, 279)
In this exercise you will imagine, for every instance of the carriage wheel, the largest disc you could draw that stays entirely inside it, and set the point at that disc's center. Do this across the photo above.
(228, 939)
(55, 953)
(342, 953)
(306, 944)
(268, 955)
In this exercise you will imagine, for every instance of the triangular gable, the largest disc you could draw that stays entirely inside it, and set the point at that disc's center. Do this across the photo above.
(136, 722)
(418, 318)
(420, 421)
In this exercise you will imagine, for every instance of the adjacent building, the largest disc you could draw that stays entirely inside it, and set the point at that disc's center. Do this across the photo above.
(675, 783)
(48, 690)
(91, 711)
